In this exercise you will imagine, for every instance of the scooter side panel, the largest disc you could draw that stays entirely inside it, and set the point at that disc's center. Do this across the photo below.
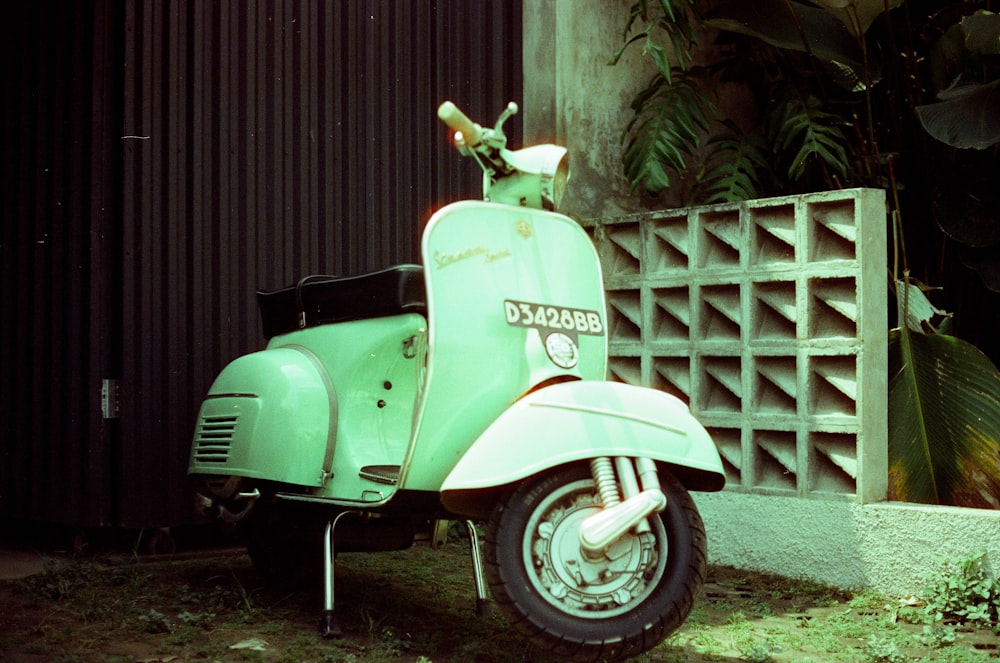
(266, 416)
(501, 282)
(376, 368)
(582, 420)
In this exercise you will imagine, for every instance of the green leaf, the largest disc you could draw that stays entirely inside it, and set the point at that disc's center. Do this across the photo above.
(669, 19)
(659, 55)
(944, 421)
(967, 117)
(982, 33)
(618, 54)
(794, 26)
(803, 133)
(668, 122)
(668, 9)
(737, 161)
(857, 15)
(913, 307)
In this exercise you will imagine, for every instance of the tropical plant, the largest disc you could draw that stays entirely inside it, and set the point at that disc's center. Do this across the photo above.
(844, 93)
(963, 590)
(902, 95)
(738, 164)
(944, 407)
(669, 118)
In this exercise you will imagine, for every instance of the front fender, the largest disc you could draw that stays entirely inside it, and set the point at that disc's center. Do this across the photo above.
(575, 421)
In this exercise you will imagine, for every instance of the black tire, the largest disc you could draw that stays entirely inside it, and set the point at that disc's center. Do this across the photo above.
(285, 548)
(629, 610)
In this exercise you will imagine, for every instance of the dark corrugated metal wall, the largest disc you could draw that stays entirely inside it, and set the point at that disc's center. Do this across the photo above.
(259, 141)
(55, 260)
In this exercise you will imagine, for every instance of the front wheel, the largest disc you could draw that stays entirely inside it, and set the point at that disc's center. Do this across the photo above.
(609, 608)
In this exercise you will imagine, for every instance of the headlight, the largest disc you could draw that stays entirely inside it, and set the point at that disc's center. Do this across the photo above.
(559, 180)
(539, 177)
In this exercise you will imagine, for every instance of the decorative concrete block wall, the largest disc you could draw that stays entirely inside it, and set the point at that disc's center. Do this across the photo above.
(769, 318)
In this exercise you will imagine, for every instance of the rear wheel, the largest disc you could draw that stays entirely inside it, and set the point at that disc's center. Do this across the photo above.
(285, 548)
(610, 608)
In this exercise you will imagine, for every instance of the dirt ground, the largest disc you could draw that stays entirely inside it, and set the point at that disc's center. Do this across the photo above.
(418, 606)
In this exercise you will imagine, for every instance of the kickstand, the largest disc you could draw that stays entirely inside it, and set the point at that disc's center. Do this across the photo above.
(482, 600)
(328, 626)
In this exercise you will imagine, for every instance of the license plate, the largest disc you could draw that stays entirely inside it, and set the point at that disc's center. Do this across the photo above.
(545, 316)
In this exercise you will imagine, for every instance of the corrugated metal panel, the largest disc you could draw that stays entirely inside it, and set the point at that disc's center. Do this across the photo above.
(264, 141)
(55, 252)
(241, 145)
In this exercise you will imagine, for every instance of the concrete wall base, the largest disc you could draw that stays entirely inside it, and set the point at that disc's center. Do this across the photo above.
(888, 546)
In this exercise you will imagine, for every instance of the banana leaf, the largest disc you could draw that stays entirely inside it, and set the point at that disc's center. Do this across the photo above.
(967, 117)
(857, 15)
(982, 33)
(968, 113)
(791, 25)
(944, 421)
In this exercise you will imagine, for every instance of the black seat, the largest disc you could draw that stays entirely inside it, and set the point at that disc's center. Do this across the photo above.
(319, 300)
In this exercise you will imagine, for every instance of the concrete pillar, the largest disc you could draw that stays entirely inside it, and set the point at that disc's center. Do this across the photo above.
(574, 98)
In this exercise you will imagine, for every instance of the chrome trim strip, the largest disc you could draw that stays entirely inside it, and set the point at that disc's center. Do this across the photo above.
(607, 412)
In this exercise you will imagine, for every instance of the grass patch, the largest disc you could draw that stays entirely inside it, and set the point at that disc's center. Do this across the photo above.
(417, 606)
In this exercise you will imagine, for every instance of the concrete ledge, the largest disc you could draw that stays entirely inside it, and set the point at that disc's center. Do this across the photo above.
(887, 546)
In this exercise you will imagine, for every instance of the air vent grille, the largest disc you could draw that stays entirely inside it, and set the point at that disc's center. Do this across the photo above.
(214, 438)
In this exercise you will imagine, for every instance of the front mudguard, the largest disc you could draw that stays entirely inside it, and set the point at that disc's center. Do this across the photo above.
(576, 421)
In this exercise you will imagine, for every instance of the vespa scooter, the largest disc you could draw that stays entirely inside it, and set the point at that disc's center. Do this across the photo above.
(471, 388)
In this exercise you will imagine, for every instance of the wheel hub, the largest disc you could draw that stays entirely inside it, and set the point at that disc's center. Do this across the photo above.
(586, 585)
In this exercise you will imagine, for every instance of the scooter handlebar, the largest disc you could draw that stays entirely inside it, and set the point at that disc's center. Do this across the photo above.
(471, 132)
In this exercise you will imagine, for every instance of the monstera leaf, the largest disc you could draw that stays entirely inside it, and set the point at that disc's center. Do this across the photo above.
(665, 131)
(944, 421)
(735, 163)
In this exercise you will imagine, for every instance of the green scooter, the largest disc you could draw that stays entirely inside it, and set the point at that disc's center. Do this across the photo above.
(471, 388)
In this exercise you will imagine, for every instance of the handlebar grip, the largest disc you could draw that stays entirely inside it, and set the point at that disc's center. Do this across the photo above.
(471, 132)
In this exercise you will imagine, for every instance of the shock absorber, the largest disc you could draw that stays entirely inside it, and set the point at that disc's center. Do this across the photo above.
(603, 471)
(603, 528)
